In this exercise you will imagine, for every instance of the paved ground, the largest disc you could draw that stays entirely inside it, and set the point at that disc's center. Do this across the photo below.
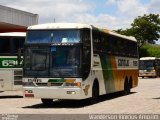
(144, 99)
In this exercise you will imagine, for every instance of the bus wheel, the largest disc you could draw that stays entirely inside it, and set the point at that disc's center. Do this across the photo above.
(95, 92)
(46, 101)
(127, 88)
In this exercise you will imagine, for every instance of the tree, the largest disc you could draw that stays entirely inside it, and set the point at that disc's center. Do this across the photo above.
(146, 29)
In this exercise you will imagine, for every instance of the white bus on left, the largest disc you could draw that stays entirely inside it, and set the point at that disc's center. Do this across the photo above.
(10, 70)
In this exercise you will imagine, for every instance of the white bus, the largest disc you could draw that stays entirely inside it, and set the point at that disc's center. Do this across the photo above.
(149, 67)
(77, 61)
(10, 71)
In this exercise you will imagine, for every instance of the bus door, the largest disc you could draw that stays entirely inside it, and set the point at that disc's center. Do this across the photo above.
(1, 84)
(6, 80)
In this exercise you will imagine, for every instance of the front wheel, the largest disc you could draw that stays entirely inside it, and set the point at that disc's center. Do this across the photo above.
(47, 101)
(95, 93)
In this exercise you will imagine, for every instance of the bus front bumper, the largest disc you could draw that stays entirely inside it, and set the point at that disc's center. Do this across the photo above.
(53, 93)
(151, 74)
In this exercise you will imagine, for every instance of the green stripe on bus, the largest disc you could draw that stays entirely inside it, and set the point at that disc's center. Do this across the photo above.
(107, 73)
(56, 80)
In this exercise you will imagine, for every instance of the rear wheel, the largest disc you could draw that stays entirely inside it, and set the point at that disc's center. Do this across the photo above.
(127, 87)
(47, 101)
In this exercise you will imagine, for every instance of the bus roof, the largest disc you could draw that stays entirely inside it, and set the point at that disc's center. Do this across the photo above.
(20, 34)
(148, 58)
(59, 26)
(76, 26)
(122, 36)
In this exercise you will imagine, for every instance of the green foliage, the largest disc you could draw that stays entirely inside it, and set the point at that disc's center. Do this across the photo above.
(149, 50)
(128, 32)
(146, 29)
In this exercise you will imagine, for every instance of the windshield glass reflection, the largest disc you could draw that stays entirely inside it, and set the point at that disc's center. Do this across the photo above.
(53, 36)
(54, 61)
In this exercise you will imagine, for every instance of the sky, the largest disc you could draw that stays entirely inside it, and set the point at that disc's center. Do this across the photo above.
(111, 14)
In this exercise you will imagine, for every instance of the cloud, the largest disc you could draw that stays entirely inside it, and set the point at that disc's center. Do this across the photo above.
(102, 20)
(126, 11)
(131, 8)
(85, 11)
(154, 6)
(50, 9)
(111, 2)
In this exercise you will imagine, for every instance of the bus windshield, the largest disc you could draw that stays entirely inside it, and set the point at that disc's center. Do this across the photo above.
(53, 36)
(53, 61)
(147, 64)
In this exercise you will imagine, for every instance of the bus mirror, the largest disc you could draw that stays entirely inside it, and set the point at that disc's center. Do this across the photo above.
(19, 55)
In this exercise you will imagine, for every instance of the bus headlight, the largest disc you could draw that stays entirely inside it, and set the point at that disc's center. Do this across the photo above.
(28, 91)
(141, 71)
(153, 71)
(71, 92)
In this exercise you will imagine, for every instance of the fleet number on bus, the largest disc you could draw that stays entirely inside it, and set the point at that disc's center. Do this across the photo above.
(8, 63)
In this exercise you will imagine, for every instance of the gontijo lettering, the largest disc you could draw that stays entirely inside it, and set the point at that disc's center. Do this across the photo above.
(123, 62)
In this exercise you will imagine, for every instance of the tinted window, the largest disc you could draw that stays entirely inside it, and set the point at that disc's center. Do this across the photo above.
(110, 44)
(52, 61)
(146, 64)
(10, 45)
(86, 52)
(16, 44)
(53, 36)
(5, 45)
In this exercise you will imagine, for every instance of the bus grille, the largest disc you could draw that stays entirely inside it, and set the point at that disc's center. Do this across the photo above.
(41, 84)
(49, 84)
(18, 77)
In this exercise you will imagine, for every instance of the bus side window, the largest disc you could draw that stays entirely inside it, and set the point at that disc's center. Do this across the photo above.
(113, 47)
(17, 43)
(86, 52)
(96, 42)
(107, 44)
(5, 46)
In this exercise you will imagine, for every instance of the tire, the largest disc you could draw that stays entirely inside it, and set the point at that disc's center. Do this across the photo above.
(95, 93)
(47, 101)
(127, 88)
(130, 83)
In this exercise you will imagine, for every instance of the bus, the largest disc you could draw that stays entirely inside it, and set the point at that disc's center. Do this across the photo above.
(149, 67)
(10, 70)
(77, 61)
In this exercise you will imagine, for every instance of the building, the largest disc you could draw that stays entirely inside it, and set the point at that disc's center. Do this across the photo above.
(13, 20)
